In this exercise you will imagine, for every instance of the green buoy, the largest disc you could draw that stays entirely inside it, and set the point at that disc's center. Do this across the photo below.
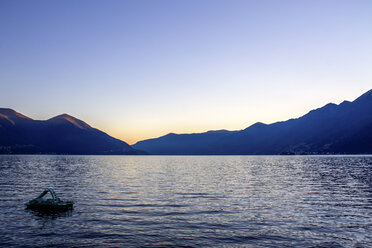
(54, 204)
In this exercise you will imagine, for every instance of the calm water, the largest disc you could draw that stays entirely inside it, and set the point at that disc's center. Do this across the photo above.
(195, 201)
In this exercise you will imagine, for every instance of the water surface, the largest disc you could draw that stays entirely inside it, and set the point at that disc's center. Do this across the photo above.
(189, 201)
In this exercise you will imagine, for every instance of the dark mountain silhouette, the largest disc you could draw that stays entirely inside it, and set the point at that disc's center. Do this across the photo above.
(184, 144)
(63, 134)
(343, 128)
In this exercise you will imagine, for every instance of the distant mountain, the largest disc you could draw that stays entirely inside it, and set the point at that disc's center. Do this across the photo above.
(184, 144)
(63, 134)
(341, 129)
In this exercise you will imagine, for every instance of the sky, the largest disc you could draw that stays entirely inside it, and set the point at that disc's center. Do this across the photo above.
(141, 69)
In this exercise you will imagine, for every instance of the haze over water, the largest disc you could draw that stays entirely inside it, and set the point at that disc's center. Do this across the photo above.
(194, 201)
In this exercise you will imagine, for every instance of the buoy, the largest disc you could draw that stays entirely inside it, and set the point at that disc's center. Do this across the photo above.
(54, 204)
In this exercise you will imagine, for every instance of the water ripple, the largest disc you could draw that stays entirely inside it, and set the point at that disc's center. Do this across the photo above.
(189, 201)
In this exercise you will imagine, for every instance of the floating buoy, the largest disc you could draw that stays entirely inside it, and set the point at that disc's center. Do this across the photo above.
(53, 204)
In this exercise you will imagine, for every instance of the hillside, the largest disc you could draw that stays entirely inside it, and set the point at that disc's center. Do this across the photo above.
(344, 128)
(63, 134)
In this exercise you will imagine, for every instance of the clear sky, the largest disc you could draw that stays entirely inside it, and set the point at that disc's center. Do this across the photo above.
(141, 69)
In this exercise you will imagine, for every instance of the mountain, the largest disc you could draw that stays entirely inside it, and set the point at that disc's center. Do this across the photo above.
(63, 134)
(337, 129)
(184, 144)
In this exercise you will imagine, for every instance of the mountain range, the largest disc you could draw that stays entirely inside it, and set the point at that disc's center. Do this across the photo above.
(63, 134)
(345, 128)
(333, 129)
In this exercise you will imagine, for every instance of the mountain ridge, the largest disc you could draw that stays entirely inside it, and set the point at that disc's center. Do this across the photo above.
(343, 128)
(328, 129)
(62, 134)
(66, 117)
(12, 114)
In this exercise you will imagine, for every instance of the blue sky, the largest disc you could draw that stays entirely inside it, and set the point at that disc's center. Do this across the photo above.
(141, 69)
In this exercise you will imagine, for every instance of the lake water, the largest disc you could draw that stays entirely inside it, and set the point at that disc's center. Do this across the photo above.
(189, 201)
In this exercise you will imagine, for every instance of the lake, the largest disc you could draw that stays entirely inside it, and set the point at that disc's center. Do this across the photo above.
(189, 201)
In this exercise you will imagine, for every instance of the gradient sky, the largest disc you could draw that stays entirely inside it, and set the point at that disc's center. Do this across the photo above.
(141, 69)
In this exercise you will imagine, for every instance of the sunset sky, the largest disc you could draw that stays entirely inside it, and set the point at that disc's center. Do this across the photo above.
(141, 69)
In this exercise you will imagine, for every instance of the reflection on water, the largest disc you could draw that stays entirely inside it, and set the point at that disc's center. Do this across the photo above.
(46, 219)
(215, 201)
